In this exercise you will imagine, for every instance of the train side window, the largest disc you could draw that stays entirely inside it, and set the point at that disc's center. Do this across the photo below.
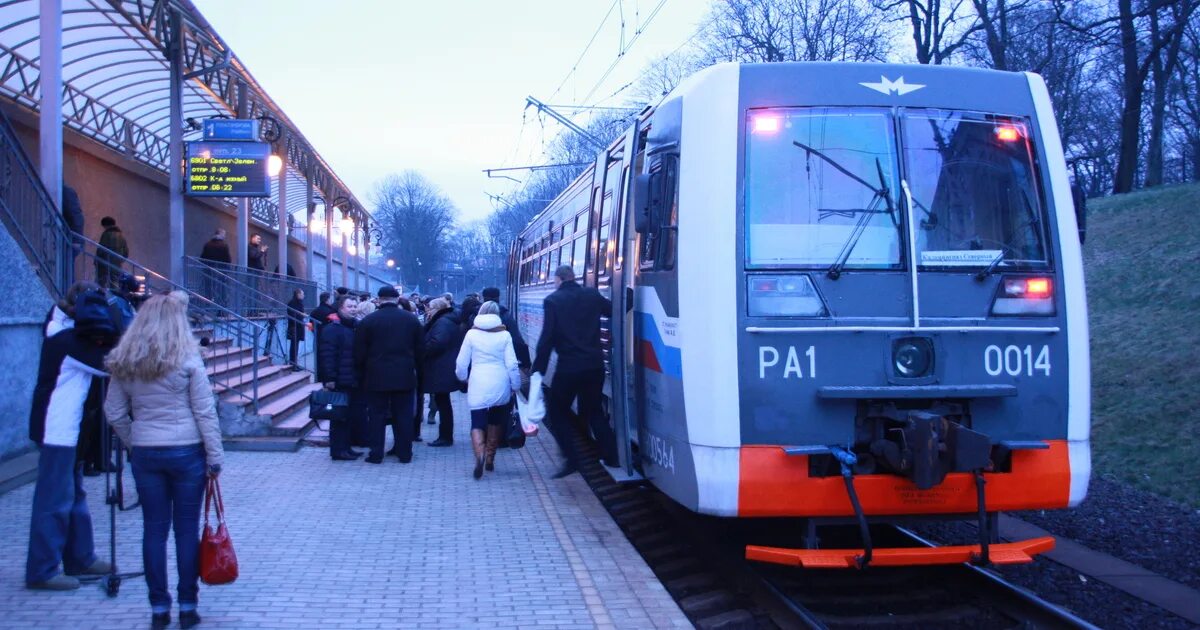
(554, 260)
(658, 244)
(577, 261)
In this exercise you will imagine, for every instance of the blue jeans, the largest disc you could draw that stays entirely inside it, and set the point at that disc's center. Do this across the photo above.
(60, 527)
(170, 483)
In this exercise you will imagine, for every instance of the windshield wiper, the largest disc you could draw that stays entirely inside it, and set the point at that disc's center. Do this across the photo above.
(982, 274)
(860, 226)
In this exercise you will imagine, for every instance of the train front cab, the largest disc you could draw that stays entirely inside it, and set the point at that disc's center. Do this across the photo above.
(910, 313)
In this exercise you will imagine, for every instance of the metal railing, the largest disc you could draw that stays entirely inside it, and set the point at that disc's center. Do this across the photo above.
(251, 294)
(226, 323)
(30, 215)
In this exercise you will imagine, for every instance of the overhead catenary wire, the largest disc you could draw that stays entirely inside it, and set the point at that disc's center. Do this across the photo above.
(575, 66)
(637, 33)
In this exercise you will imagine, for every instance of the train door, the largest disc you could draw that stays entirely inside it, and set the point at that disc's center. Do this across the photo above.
(614, 251)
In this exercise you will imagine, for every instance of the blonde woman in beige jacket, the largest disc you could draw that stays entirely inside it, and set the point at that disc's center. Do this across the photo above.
(161, 406)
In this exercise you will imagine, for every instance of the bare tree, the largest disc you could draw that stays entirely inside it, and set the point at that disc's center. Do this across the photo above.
(939, 27)
(1143, 32)
(793, 30)
(1185, 109)
(416, 218)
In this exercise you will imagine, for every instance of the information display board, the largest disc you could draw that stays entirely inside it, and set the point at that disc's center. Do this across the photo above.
(228, 169)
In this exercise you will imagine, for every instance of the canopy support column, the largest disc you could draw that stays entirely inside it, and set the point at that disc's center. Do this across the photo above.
(50, 123)
(175, 163)
(282, 232)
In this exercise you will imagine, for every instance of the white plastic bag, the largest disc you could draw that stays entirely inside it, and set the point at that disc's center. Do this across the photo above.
(533, 409)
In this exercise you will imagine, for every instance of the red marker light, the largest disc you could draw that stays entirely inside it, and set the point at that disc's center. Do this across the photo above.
(1037, 287)
(766, 124)
(1007, 134)
(766, 284)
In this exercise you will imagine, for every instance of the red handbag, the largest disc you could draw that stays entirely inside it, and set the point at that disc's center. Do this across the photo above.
(218, 562)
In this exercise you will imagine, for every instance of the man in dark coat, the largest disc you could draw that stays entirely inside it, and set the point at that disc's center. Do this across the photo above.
(571, 328)
(337, 371)
(388, 346)
(443, 338)
(216, 250)
(69, 372)
(492, 294)
(111, 254)
(295, 326)
(72, 213)
(256, 254)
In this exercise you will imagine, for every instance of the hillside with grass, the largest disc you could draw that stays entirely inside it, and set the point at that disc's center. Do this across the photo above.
(1142, 260)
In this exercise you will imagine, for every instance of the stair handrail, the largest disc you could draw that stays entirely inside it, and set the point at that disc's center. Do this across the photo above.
(197, 303)
(51, 267)
(200, 265)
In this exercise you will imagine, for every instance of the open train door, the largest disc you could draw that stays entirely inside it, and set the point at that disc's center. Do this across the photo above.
(623, 405)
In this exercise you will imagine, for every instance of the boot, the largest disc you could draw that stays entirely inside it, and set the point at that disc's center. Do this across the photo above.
(493, 442)
(477, 446)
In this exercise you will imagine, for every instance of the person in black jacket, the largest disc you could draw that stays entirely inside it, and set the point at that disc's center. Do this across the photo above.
(443, 337)
(571, 328)
(295, 326)
(69, 374)
(492, 294)
(336, 369)
(216, 250)
(388, 346)
(319, 318)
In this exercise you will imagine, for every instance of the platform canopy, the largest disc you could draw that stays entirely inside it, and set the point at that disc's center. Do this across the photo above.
(116, 82)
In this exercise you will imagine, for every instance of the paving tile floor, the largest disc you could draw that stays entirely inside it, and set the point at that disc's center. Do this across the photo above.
(325, 544)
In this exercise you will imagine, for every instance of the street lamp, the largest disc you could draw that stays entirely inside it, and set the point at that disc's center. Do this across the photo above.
(274, 165)
(391, 263)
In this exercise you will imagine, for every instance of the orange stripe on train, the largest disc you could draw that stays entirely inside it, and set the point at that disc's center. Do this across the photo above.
(773, 483)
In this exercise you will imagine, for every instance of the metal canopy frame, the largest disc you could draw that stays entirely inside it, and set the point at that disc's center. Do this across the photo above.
(116, 80)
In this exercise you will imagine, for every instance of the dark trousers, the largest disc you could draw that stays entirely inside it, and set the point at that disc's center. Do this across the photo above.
(293, 350)
(339, 430)
(420, 411)
(60, 526)
(445, 416)
(586, 386)
(360, 422)
(389, 408)
(170, 483)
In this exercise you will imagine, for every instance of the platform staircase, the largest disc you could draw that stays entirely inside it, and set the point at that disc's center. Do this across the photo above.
(257, 391)
(281, 397)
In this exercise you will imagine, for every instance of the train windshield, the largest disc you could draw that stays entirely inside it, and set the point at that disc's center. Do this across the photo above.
(821, 188)
(974, 190)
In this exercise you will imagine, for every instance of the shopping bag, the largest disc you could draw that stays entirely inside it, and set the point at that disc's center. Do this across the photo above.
(218, 562)
(532, 409)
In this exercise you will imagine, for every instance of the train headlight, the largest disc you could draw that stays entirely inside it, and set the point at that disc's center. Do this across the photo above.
(912, 357)
(783, 296)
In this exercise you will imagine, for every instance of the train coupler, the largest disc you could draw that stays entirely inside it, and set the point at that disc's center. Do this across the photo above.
(1018, 552)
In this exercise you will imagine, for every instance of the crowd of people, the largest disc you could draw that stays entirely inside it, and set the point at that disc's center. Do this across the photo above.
(141, 373)
(389, 352)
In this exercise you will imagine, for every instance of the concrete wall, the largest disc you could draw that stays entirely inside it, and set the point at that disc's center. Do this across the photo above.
(21, 317)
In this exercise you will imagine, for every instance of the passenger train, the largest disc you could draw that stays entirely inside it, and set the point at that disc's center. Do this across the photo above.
(843, 292)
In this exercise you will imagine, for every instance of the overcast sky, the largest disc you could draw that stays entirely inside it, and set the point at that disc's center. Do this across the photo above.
(381, 86)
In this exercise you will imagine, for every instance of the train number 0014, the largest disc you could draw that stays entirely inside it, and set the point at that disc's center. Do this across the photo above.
(1017, 360)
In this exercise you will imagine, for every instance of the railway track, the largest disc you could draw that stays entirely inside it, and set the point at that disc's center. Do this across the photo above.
(700, 561)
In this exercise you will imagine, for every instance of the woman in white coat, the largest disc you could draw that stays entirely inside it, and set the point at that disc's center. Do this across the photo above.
(487, 355)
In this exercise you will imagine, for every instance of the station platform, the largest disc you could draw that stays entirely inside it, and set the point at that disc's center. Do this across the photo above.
(324, 544)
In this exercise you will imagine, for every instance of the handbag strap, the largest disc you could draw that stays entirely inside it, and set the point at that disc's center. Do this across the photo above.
(212, 496)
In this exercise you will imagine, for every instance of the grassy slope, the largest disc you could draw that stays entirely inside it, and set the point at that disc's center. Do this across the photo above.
(1142, 261)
